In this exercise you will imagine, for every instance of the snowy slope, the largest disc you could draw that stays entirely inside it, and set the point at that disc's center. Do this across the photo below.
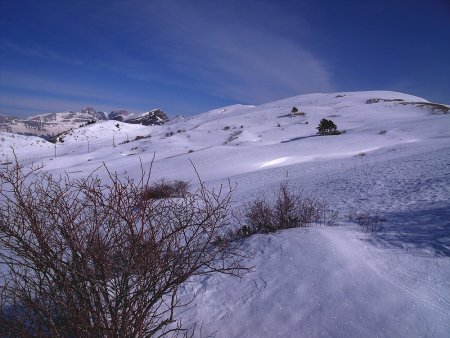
(53, 124)
(392, 160)
(339, 281)
(48, 124)
(27, 148)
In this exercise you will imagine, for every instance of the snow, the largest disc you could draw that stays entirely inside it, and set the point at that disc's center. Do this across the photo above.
(26, 147)
(393, 160)
(322, 282)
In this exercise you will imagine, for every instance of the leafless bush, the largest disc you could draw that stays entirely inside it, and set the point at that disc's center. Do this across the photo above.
(258, 217)
(85, 258)
(289, 210)
(367, 219)
(165, 189)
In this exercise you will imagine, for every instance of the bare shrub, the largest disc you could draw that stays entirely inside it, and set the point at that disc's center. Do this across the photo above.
(165, 189)
(258, 217)
(368, 220)
(85, 258)
(289, 210)
(285, 211)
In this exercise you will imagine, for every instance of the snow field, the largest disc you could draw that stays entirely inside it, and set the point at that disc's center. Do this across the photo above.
(393, 160)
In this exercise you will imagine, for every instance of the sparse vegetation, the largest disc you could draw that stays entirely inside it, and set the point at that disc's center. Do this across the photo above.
(435, 107)
(367, 219)
(137, 138)
(234, 135)
(59, 137)
(88, 123)
(376, 100)
(296, 112)
(289, 210)
(165, 189)
(84, 258)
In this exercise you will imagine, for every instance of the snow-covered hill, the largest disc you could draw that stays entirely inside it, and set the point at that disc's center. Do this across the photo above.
(53, 124)
(391, 160)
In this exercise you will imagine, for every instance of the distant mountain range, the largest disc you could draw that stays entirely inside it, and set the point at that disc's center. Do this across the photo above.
(49, 125)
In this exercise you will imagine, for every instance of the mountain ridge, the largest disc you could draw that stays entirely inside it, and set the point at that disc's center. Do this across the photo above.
(52, 124)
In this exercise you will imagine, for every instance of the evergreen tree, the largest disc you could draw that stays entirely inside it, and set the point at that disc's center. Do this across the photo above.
(327, 127)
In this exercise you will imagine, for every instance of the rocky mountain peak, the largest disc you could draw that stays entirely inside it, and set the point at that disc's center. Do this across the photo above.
(48, 125)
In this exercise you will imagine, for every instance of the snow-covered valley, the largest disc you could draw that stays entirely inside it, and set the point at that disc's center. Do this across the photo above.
(392, 161)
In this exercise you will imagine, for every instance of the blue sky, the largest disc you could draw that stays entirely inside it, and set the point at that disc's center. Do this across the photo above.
(189, 56)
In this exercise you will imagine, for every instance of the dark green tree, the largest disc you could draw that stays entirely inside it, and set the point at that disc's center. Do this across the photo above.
(327, 127)
(294, 110)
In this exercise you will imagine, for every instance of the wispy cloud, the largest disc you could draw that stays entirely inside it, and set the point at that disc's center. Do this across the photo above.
(219, 51)
(26, 104)
(71, 89)
(25, 93)
(19, 104)
(180, 52)
(36, 51)
(261, 67)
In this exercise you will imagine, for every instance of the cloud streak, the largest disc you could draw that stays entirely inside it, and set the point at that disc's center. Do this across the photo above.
(37, 51)
(216, 50)
(71, 89)
(26, 104)
(175, 53)
(25, 93)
